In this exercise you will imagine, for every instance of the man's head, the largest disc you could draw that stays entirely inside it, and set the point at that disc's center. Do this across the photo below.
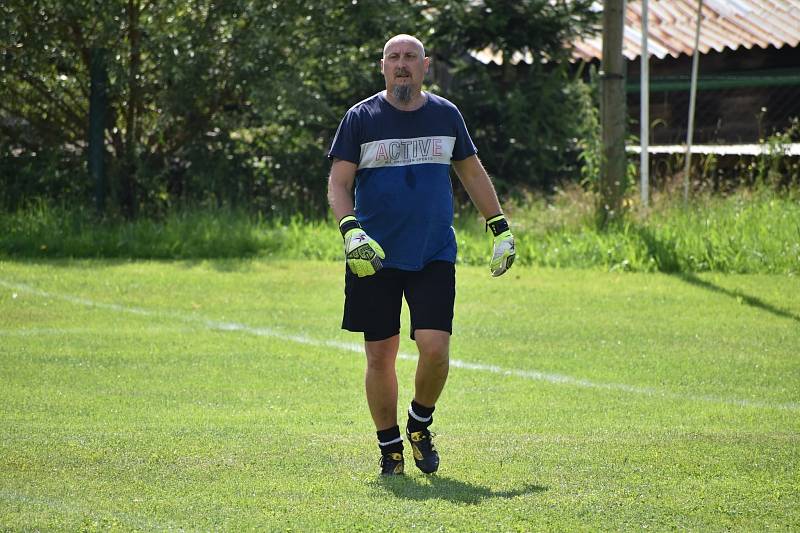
(404, 66)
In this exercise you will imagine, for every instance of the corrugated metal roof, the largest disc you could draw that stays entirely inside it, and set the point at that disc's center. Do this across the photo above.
(726, 24)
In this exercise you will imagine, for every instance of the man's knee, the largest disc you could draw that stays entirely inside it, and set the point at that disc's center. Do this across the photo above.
(381, 354)
(433, 344)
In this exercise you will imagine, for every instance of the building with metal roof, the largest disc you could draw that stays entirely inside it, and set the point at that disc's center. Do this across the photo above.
(749, 68)
(726, 24)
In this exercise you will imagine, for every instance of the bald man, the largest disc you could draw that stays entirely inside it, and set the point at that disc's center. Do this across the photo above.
(390, 189)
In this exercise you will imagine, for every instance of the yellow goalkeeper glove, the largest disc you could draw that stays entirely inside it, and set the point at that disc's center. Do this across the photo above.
(503, 253)
(363, 254)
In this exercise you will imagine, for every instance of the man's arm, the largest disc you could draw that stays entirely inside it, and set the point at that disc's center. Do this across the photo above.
(478, 185)
(480, 189)
(363, 255)
(340, 187)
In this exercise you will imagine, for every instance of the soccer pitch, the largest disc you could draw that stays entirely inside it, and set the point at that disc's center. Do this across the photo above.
(224, 396)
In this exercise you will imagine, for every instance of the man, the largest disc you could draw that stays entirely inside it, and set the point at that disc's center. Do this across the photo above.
(390, 189)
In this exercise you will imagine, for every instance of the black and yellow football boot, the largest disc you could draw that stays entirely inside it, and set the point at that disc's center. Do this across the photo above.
(392, 464)
(425, 455)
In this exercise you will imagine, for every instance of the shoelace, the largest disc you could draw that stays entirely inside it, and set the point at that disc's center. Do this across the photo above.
(421, 437)
(389, 456)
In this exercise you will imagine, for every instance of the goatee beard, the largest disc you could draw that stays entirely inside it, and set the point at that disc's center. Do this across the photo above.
(402, 93)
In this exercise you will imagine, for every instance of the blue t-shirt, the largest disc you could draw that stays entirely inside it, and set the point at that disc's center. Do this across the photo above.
(403, 195)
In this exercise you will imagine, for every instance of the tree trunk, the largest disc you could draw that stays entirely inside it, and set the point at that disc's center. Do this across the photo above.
(613, 117)
(128, 175)
(98, 104)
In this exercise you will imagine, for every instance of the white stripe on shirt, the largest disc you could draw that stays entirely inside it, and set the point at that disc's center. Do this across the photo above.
(402, 152)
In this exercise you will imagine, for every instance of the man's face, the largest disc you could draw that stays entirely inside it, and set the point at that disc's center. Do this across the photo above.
(404, 66)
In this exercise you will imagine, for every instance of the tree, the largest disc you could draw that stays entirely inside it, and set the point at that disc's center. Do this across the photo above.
(207, 101)
(235, 102)
(522, 114)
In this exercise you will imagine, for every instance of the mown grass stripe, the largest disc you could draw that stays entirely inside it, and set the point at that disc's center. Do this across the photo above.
(557, 379)
(101, 516)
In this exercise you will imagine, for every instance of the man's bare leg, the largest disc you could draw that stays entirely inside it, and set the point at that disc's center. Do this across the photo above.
(432, 368)
(381, 381)
(433, 365)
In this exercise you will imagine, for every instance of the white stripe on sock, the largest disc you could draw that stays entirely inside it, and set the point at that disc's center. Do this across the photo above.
(415, 416)
(395, 441)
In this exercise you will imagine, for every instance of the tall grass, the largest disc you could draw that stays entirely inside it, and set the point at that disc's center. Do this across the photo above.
(747, 232)
(44, 231)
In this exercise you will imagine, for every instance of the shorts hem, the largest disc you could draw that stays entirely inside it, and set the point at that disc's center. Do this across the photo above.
(374, 337)
(371, 336)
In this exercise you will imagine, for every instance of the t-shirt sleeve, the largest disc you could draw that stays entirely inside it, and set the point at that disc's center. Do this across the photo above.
(464, 146)
(346, 143)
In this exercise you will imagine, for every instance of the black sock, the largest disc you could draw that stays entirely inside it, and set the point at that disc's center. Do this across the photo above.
(389, 440)
(419, 417)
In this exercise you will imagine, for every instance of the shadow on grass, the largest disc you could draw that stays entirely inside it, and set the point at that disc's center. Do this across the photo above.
(437, 487)
(752, 301)
(667, 259)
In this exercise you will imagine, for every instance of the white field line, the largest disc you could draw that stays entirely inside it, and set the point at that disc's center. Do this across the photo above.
(558, 379)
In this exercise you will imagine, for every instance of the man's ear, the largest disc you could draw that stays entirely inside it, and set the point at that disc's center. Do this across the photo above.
(427, 62)
(382, 66)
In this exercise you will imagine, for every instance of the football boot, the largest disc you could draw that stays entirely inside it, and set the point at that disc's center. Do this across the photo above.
(425, 455)
(391, 464)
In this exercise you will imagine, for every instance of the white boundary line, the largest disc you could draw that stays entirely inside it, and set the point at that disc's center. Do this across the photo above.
(558, 379)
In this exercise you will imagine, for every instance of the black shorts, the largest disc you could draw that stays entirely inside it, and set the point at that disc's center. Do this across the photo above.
(372, 304)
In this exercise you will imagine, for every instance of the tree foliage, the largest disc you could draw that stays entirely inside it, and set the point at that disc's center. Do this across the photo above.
(523, 111)
(236, 102)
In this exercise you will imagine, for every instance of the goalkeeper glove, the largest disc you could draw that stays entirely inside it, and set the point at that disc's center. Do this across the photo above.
(363, 255)
(503, 254)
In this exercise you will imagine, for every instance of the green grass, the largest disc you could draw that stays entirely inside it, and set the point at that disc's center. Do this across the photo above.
(221, 395)
(749, 232)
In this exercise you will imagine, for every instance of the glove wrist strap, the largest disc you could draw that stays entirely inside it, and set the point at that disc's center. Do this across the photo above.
(348, 223)
(498, 224)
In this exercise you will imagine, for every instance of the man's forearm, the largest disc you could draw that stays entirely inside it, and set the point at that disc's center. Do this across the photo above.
(483, 195)
(340, 188)
(478, 185)
(340, 200)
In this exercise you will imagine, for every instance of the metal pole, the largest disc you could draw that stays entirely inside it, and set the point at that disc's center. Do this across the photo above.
(692, 98)
(644, 104)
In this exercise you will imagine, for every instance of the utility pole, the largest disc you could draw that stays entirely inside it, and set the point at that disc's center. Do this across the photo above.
(612, 114)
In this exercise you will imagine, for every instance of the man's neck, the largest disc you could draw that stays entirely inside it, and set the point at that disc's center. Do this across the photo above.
(417, 101)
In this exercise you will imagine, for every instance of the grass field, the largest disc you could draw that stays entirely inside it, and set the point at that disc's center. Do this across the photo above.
(216, 395)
